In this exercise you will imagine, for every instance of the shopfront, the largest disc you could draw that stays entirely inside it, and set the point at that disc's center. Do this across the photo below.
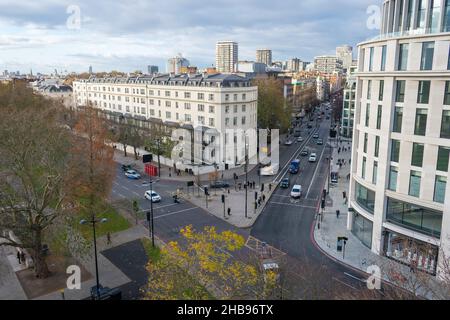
(409, 251)
(362, 229)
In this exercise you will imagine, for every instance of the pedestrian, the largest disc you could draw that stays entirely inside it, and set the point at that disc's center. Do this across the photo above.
(338, 212)
(240, 186)
(259, 201)
(22, 257)
(108, 238)
(170, 172)
(344, 195)
(348, 177)
(18, 257)
(254, 185)
(221, 176)
(264, 198)
(229, 211)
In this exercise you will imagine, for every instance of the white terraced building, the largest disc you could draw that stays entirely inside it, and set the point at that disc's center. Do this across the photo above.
(219, 101)
(400, 191)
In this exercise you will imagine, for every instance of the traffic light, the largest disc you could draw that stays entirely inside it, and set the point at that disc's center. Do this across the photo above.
(223, 198)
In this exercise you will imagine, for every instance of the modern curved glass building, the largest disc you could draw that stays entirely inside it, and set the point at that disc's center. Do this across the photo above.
(400, 184)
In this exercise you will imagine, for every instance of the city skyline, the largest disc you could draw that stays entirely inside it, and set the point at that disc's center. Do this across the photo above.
(125, 38)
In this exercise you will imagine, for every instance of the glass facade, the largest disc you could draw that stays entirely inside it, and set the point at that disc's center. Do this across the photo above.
(434, 15)
(447, 92)
(375, 173)
(383, 58)
(409, 251)
(367, 115)
(447, 16)
(395, 150)
(381, 91)
(409, 16)
(379, 115)
(365, 198)
(417, 218)
(377, 146)
(362, 229)
(421, 15)
(371, 59)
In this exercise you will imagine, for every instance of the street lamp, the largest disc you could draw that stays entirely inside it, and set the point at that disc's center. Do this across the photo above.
(246, 175)
(158, 142)
(94, 221)
(150, 219)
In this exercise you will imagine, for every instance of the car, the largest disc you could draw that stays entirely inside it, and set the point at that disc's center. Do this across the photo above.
(152, 196)
(288, 142)
(309, 125)
(315, 135)
(319, 141)
(304, 153)
(285, 183)
(296, 191)
(219, 185)
(132, 174)
(312, 157)
(299, 139)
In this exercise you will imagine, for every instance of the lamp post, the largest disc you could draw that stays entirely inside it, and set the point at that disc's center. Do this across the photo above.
(150, 219)
(94, 221)
(158, 142)
(246, 175)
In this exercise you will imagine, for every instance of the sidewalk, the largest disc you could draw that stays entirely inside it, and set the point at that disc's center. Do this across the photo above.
(10, 288)
(357, 255)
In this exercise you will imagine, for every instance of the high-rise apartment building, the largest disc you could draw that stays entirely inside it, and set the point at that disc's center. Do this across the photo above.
(345, 54)
(174, 64)
(399, 188)
(348, 111)
(264, 56)
(328, 64)
(226, 56)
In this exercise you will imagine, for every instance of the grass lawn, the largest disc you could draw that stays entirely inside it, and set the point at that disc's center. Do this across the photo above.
(115, 221)
(154, 255)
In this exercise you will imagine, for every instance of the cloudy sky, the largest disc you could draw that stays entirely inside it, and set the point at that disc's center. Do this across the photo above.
(129, 35)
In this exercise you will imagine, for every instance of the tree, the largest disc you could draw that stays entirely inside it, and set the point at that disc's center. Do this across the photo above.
(273, 111)
(136, 210)
(34, 187)
(207, 258)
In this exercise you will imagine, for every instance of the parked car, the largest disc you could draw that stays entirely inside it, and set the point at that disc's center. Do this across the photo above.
(319, 141)
(152, 196)
(296, 191)
(219, 185)
(313, 157)
(285, 183)
(132, 174)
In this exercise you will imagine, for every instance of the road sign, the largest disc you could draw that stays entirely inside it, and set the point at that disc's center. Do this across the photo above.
(146, 158)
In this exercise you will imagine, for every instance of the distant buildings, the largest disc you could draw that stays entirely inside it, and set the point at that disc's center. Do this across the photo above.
(174, 64)
(152, 69)
(328, 64)
(90, 69)
(251, 67)
(348, 111)
(295, 65)
(323, 88)
(264, 56)
(345, 54)
(226, 56)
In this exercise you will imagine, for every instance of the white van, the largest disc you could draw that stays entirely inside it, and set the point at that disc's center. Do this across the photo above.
(270, 170)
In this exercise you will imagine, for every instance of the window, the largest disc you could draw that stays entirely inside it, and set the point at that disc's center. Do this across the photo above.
(379, 114)
(365, 197)
(420, 127)
(371, 59)
(421, 15)
(383, 58)
(200, 96)
(403, 57)
(439, 189)
(201, 107)
(400, 91)
(423, 95)
(211, 122)
(395, 152)
(168, 115)
(410, 16)
(417, 155)
(187, 95)
(447, 92)
(367, 114)
(393, 176)
(366, 138)
(426, 63)
(443, 157)
(447, 16)
(227, 109)
(381, 91)
(363, 170)
(187, 117)
(187, 106)
(235, 121)
(398, 118)
(362, 229)
(377, 146)
(243, 120)
(445, 124)
(414, 183)
(201, 120)
(369, 89)
(414, 217)
(211, 109)
(375, 173)
(434, 15)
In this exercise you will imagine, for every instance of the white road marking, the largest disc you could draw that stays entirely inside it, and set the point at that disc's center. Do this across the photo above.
(315, 172)
(345, 284)
(172, 213)
(292, 205)
(356, 278)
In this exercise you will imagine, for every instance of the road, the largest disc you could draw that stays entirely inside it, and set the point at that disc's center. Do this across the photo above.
(285, 224)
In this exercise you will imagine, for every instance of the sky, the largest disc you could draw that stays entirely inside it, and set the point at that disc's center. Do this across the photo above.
(70, 35)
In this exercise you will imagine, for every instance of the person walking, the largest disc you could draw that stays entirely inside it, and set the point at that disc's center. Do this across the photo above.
(108, 238)
(18, 257)
(22, 257)
(229, 211)
(264, 198)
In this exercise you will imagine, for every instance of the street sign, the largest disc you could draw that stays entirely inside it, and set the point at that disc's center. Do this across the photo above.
(146, 158)
(190, 183)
